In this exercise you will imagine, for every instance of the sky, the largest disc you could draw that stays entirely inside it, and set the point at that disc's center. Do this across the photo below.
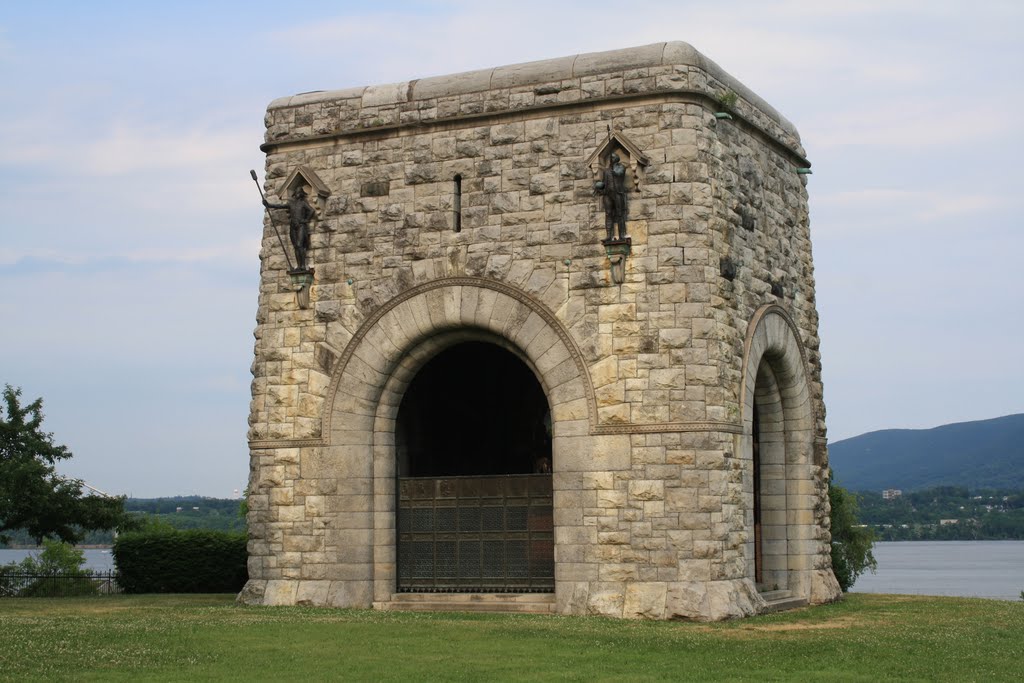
(130, 228)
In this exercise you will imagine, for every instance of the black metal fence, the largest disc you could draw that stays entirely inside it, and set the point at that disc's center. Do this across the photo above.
(20, 584)
(476, 534)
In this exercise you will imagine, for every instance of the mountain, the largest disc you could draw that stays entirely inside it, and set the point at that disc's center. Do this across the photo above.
(981, 454)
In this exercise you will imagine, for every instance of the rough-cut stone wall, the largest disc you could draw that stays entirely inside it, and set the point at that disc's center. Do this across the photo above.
(647, 380)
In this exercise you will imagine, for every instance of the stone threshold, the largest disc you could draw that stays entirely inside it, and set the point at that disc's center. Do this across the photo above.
(781, 600)
(508, 603)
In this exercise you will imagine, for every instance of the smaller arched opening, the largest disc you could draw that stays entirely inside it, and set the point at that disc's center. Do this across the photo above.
(779, 424)
(473, 462)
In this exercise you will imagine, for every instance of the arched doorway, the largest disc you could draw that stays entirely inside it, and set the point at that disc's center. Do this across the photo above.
(784, 550)
(473, 464)
(771, 552)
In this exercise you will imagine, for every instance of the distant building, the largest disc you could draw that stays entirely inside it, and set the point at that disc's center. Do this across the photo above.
(947, 522)
(890, 494)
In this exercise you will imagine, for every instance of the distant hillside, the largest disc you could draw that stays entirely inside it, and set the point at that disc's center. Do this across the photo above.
(982, 454)
(179, 512)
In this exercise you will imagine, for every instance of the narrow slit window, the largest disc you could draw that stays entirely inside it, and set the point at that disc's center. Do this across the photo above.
(457, 203)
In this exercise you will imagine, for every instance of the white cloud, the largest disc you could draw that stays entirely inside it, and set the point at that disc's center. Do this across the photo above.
(123, 148)
(9, 256)
(920, 206)
(244, 252)
(921, 122)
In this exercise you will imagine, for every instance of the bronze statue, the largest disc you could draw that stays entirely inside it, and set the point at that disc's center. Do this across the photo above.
(612, 187)
(300, 213)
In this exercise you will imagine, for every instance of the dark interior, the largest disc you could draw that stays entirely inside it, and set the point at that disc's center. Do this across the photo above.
(474, 409)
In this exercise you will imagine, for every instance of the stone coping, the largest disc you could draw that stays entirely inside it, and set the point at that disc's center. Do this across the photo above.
(668, 54)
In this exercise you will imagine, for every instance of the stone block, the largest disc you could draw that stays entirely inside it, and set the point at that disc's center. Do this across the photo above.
(280, 592)
(645, 601)
(647, 490)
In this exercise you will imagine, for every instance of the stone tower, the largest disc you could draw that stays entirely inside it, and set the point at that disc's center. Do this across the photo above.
(553, 344)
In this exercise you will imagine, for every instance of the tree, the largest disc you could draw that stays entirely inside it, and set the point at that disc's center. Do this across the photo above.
(56, 558)
(48, 574)
(32, 495)
(851, 543)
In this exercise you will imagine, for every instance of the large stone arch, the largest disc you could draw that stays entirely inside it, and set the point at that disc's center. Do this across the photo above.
(775, 384)
(370, 379)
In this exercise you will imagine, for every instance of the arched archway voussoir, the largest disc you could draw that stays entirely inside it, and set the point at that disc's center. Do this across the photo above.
(487, 301)
(772, 334)
(413, 319)
(528, 331)
(389, 345)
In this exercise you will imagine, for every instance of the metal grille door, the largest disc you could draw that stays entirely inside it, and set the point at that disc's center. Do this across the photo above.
(476, 534)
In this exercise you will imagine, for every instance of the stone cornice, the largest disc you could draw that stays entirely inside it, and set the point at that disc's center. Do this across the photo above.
(559, 69)
(526, 112)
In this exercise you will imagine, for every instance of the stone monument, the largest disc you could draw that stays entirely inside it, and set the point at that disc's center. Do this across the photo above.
(555, 348)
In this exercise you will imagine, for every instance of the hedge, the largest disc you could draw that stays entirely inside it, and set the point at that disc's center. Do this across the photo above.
(168, 561)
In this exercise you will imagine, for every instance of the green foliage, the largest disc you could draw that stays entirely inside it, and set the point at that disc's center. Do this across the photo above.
(181, 561)
(33, 496)
(728, 99)
(981, 514)
(851, 543)
(178, 512)
(57, 559)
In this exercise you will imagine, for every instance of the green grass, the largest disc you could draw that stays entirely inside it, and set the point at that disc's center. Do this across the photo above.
(866, 637)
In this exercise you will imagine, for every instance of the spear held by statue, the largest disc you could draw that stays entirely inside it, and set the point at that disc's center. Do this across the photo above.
(256, 180)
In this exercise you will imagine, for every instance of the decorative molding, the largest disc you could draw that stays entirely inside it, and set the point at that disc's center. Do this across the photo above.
(596, 429)
(667, 427)
(462, 281)
(617, 137)
(752, 327)
(310, 178)
(271, 444)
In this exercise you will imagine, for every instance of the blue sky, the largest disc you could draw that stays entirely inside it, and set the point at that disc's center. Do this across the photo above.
(129, 228)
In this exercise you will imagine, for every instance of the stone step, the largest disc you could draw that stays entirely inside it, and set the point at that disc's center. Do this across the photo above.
(780, 601)
(509, 603)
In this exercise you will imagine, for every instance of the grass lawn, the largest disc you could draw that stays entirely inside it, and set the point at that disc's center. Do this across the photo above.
(208, 637)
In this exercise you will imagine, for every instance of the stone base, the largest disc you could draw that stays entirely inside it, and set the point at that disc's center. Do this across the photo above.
(309, 593)
(252, 593)
(690, 600)
(824, 587)
(693, 600)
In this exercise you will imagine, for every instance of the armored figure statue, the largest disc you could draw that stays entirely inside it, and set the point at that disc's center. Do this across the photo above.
(300, 213)
(612, 187)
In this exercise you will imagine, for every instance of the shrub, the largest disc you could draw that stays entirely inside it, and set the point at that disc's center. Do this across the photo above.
(851, 543)
(56, 572)
(166, 561)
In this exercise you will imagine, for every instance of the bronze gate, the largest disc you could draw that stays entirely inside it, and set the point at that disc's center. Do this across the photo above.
(476, 534)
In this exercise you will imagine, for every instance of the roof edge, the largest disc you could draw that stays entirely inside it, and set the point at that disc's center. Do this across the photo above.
(672, 53)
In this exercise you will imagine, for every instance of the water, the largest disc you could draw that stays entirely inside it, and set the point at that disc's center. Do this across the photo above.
(984, 569)
(981, 569)
(98, 559)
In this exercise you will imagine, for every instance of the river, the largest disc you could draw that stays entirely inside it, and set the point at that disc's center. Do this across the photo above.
(98, 559)
(983, 569)
(980, 569)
